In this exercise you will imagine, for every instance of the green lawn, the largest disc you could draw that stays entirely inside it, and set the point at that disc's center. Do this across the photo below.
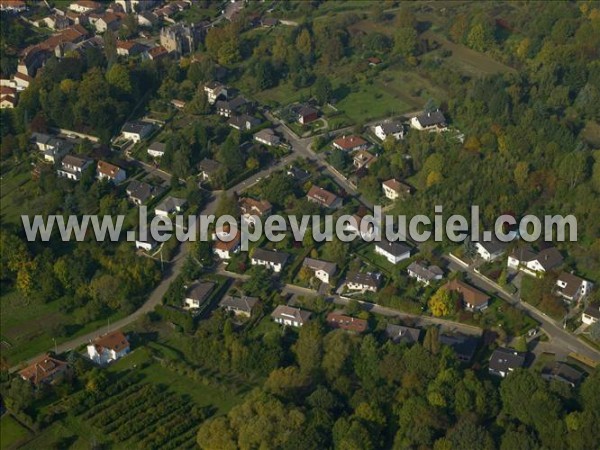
(371, 102)
(12, 432)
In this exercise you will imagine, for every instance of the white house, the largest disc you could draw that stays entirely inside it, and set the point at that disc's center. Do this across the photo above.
(394, 189)
(363, 281)
(286, 315)
(423, 273)
(108, 348)
(250, 208)
(84, 6)
(271, 259)
(267, 136)
(323, 270)
(386, 129)
(240, 306)
(157, 149)
(490, 251)
(225, 246)
(110, 172)
(72, 167)
(591, 315)
(136, 131)
(394, 252)
(198, 294)
(571, 287)
(215, 91)
(147, 244)
(504, 360)
(170, 205)
(429, 121)
(526, 260)
(361, 227)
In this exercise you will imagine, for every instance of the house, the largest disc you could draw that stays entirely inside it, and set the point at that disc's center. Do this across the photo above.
(350, 143)
(269, 22)
(287, 315)
(170, 205)
(401, 334)
(268, 137)
(394, 252)
(84, 6)
(394, 189)
(110, 172)
(108, 348)
(72, 167)
(365, 229)
(8, 97)
(228, 108)
(505, 360)
(208, 169)
(22, 80)
(348, 323)
(363, 158)
(157, 149)
(243, 122)
(386, 129)
(528, 261)
(298, 174)
(198, 294)
(374, 61)
(139, 192)
(147, 244)
(473, 299)
(429, 121)
(271, 259)
(492, 250)
(105, 22)
(54, 148)
(130, 6)
(250, 208)
(130, 48)
(146, 19)
(137, 130)
(323, 198)
(324, 270)
(560, 371)
(156, 53)
(305, 114)
(44, 370)
(423, 273)
(55, 22)
(363, 281)
(591, 315)
(13, 6)
(464, 346)
(215, 91)
(240, 306)
(226, 246)
(179, 104)
(571, 287)
(180, 38)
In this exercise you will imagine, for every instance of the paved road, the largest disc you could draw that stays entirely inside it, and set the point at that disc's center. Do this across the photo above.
(559, 337)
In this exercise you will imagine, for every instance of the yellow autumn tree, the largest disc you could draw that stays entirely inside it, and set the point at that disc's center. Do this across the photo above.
(442, 303)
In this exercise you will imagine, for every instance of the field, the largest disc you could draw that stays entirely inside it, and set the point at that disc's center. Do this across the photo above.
(11, 432)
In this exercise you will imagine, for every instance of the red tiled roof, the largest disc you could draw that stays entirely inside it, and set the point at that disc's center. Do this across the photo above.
(115, 341)
(321, 195)
(42, 369)
(108, 169)
(470, 295)
(344, 322)
(349, 142)
(228, 246)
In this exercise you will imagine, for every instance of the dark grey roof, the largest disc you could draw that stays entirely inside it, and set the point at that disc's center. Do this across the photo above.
(200, 291)
(426, 272)
(505, 359)
(365, 278)
(494, 246)
(304, 110)
(158, 147)
(287, 312)
(41, 138)
(316, 264)
(562, 372)
(231, 105)
(393, 248)
(391, 127)
(243, 303)
(75, 161)
(243, 119)
(549, 258)
(298, 174)
(400, 333)
(431, 118)
(269, 255)
(464, 346)
(135, 126)
(209, 166)
(593, 311)
(171, 203)
(139, 190)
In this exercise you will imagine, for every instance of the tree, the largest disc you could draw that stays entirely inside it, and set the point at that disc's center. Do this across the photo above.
(442, 303)
(228, 205)
(480, 37)
(304, 44)
(309, 348)
(119, 78)
(432, 340)
(323, 90)
(405, 41)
